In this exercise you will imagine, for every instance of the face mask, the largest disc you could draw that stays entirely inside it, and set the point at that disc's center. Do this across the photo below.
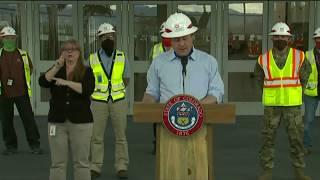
(166, 42)
(318, 45)
(108, 46)
(280, 44)
(9, 45)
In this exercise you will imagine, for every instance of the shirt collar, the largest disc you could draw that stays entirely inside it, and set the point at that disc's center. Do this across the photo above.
(172, 55)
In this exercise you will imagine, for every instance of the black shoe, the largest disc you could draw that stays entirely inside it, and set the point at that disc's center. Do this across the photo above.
(122, 174)
(9, 152)
(94, 174)
(36, 151)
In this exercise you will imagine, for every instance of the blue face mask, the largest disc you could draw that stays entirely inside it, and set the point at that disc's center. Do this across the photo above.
(9, 45)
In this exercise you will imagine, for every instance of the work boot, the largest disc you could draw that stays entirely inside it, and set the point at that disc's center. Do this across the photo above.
(299, 174)
(266, 175)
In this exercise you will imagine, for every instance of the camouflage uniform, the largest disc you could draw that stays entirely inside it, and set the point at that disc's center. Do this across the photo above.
(291, 115)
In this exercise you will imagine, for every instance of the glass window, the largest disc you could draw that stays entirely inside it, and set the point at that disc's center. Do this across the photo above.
(243, 87)
(10, 16)
(140, 85)
(245, 31)
(200, 17)
(147, 21)
(94, 16)
(45, 94)
(296, 15)
(55, 28)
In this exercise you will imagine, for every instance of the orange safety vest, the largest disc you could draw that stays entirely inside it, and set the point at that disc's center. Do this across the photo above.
(282, 87)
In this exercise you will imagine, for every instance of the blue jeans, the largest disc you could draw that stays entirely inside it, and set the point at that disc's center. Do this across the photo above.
(311, 104)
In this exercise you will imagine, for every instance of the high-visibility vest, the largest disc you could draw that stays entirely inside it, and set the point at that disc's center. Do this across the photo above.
(157, 50)
(282, 87)
(106, 86)
(26, 67)
(312, 85)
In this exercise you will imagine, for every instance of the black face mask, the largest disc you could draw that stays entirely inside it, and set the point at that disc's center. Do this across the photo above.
(108, 46)
(280, 44)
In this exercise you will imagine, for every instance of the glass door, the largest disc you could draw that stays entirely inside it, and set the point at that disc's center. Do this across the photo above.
(245, 37)
(91, 14)
(145, 19)
(54, 23)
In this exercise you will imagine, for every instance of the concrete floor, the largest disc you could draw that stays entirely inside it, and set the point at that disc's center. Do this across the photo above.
(236, 150)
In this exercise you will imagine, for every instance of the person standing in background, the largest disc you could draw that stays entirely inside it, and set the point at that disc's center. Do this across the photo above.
(311, 92)
(15, 88)
(111, 71)
(70, 119)
(282, 72)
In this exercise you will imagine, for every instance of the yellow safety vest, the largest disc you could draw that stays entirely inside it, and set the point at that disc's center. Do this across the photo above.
(312, 85)
(27, 72)
(282, 87)
(157, 50)
(105, 86)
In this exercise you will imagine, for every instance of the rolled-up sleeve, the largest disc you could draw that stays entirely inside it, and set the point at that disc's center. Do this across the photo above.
(216, 86)
(153, 80)
(88, 82)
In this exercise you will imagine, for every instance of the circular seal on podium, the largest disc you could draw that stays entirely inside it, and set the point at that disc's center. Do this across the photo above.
(183, 115)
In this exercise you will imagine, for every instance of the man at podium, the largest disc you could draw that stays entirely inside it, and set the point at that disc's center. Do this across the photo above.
(185, 70)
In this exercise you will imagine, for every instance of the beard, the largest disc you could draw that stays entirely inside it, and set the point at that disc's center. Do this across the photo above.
(280, 44)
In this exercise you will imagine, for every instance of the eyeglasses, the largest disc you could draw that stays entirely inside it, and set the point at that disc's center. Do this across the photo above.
(71, 49)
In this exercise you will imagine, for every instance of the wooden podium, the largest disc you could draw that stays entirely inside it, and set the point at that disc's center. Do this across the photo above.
(184, 158)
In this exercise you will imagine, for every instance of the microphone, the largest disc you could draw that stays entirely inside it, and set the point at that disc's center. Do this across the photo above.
(184, 62)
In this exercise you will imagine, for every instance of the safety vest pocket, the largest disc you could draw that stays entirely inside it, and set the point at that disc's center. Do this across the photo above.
(295, 96)
(269, 96)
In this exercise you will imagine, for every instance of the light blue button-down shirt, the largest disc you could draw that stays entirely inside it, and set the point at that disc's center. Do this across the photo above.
(202, 78)
(107, 62)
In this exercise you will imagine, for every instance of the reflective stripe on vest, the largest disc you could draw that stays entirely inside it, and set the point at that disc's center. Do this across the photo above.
(282, 87)
(157, 50)
(27, 72)
(102, 82)
(312, 85)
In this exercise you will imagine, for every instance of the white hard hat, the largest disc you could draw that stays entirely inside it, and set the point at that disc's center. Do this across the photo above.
(316, 33)
(281, 29)
(162, 28)
(7, 31)
(105, 28)
(178, 25)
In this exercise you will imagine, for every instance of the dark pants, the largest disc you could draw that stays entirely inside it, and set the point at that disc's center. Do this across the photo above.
(26, 114)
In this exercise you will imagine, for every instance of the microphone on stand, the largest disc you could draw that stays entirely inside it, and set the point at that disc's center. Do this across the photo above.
(184, 62)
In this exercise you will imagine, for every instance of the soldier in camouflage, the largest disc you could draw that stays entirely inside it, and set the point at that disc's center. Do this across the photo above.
(283, 74)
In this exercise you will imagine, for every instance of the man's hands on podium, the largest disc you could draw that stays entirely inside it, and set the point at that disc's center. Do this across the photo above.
(209, 100)
(147, 98)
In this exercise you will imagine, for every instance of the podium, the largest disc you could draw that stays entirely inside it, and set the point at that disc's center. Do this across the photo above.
(184, 158)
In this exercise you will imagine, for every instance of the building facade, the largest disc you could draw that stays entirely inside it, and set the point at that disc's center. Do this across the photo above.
(234, 32)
